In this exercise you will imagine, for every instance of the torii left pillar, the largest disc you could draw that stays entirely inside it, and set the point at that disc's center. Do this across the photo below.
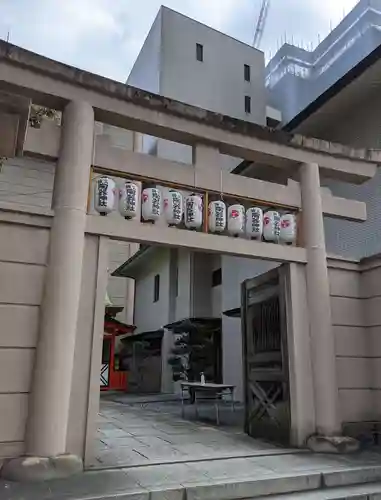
(49, 404)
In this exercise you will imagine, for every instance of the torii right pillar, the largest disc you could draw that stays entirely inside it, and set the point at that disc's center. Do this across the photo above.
(328, 436)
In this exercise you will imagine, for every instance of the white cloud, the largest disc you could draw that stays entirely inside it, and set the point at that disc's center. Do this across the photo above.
(105, 36)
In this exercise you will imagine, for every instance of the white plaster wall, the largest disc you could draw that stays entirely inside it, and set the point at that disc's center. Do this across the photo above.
(150, 315)
(217, 83)
(145, 73)
(216, 291)
(183, 299)
(28, 183)
(201, 285)
(234, 271)
(167, 65)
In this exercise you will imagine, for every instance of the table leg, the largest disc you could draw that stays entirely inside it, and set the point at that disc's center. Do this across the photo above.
(182, 402)
(195, 404)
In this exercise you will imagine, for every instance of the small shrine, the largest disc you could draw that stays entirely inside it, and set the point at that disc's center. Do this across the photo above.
(113, 376)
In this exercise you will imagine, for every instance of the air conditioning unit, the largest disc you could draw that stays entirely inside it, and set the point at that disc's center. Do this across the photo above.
(273, 117)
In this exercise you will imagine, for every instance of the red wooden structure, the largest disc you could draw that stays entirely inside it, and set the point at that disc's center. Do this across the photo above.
(113, 378)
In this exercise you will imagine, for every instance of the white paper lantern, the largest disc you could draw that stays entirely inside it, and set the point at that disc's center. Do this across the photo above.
(151, 204)
(129, 200)
(173, 207)
(271, 226)
(193, 211)
(217, 216)
(254, 223)
(287, 228)
(104, 195)
(236, 220)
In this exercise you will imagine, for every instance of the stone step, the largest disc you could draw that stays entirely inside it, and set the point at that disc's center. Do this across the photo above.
(358, 492)
(287, 486)
(225, 480)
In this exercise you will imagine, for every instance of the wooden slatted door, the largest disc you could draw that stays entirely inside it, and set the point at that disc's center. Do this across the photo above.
(266, 375)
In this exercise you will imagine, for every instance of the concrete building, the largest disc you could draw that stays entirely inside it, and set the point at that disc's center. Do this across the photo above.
(296, 77)
(193, 63)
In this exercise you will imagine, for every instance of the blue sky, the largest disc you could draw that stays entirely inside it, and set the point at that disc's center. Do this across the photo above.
(104, 36)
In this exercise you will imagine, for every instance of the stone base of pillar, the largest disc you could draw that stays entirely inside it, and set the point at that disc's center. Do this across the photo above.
(35, 469)
(332, 444)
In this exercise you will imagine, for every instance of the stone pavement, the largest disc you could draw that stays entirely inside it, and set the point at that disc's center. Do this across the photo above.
(316, 477)
(146, 432)
(147, 452)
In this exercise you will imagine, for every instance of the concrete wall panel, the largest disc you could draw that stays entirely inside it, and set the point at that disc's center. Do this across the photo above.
(346, 311)
(371, 282)
(23, 244)
(356, 405)
(353, 341)
(21, 284)
(19, 325)
(344, 283)
(355, 368)
(23, 256)
(354, 373)
(16, 370)
(372, 311)
(13, 414)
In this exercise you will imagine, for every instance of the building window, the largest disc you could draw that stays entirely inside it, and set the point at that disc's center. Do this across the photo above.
(216, 277)
(199, 52)
(156, 288)
(247, 104)
(247, 72)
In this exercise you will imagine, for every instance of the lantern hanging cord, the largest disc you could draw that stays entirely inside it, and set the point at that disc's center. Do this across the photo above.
(194, 176)
(221, 190)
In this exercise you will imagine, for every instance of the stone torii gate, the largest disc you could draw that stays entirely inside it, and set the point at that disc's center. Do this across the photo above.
(84, 98)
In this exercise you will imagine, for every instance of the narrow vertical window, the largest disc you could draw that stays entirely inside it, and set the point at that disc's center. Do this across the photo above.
(199, 52)
(216, 277)
(247, 104)
(246, 72)
(156, 288)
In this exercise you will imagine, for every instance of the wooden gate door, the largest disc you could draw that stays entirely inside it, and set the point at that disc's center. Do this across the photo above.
(266, 380)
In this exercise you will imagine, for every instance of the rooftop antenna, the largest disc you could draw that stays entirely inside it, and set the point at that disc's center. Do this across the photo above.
(8, 35)
(261, 23)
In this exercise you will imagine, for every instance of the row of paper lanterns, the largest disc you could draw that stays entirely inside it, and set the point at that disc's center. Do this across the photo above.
(175, 208)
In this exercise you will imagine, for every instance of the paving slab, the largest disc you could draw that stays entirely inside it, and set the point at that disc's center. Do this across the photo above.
(170, 438)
